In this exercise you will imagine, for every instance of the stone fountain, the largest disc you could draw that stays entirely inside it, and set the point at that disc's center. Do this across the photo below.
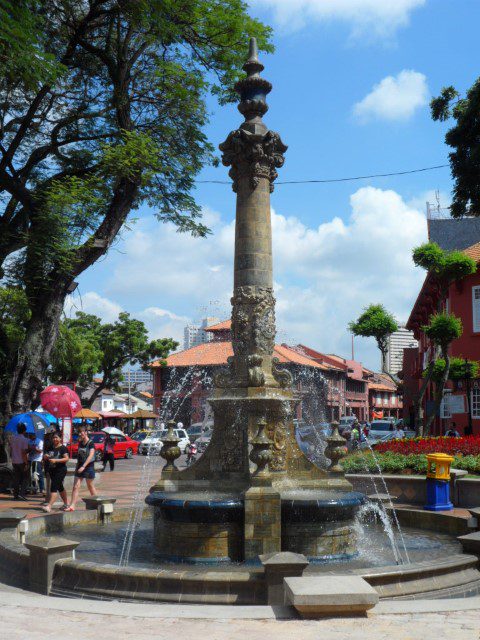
(222, 507)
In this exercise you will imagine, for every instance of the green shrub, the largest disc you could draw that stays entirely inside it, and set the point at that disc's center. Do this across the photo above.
(391, 462)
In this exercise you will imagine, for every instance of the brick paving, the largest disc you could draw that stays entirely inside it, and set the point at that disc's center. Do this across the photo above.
(121, 484)
(39, 624)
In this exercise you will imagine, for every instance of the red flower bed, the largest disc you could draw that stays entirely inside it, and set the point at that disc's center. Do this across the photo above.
(467, 446)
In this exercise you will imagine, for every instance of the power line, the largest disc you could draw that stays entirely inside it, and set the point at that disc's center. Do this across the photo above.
(375, 175)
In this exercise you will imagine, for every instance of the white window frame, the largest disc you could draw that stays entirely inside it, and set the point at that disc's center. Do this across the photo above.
(475, 402)
(445, 406)
(476, 309)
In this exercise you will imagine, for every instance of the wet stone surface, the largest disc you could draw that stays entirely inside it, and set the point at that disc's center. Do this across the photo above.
(103, 544)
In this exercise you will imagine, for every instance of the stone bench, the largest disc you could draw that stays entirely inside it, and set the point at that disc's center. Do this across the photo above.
(320, 596)
(11, 519)
(44, 553)
(103, 505)
(277, 567)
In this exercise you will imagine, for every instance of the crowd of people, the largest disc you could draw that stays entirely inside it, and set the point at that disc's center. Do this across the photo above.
(41, 465)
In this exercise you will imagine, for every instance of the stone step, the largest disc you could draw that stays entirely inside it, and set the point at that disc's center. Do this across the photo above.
(470, 542)
(320, 596)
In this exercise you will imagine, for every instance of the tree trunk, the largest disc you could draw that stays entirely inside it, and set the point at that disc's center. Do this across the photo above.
(439, 389)
(33, 356)
(96, 392)
(418, 402)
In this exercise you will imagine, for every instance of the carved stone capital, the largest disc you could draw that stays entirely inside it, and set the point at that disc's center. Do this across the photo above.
(253, 322)
(253, 155)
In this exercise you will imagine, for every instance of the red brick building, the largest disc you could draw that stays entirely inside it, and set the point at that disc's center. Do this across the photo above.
(384, 398)
(184, 384)
(330, 386)
(463, 300)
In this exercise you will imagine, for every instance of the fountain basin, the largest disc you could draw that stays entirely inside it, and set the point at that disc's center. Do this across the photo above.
(320, 524)
(197, 527)
(208, 526)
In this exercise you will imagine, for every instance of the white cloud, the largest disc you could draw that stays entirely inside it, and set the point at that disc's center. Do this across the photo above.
(164, 324)
(367, 18)
(394, 98)
(92, 302)
(324, 276)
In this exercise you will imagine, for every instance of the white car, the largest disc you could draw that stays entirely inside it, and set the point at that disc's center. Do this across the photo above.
(152, 444)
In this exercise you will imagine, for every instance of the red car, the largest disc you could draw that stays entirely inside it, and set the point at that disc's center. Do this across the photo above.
(124, 446)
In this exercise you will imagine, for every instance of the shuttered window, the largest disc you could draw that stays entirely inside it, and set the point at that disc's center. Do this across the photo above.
(476, 309)
(475, 402)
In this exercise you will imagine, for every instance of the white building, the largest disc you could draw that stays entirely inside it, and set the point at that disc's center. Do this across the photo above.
(397, 342)
(194, 335)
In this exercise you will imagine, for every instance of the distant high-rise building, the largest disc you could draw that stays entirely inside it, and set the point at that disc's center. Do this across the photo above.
(196, 334)
(136, 376)
(397, 342)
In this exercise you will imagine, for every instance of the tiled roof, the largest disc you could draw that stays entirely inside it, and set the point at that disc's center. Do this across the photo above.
(221, 326)
(378, 386)
(320, 357)
(473, 252)
(454, 233)
(216, 353)
(382, 382)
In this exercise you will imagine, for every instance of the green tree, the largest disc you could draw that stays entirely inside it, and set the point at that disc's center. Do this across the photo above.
(109, 115)
(85, 346)
(442, 330)
(14, 316)
(445, 267)
(460, 369)
(76, 356)
(375, 322)
(464, 139)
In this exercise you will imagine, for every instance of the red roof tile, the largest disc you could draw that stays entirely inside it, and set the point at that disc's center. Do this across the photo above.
(216, 353)
(473, 252)
(221, 326)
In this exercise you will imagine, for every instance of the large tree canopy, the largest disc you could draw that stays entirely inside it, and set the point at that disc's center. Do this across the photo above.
(102, 108)
(86, 346)
(464, 138)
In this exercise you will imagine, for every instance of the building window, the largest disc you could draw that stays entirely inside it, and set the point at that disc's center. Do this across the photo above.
(476, 309)
(475, 403)
(445, 406)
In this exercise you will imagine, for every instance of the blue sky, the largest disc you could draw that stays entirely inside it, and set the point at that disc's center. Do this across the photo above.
(352, 80)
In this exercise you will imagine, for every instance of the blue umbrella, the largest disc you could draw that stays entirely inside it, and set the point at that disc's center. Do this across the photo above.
(48, 417)
(35, 422)
(82, 420)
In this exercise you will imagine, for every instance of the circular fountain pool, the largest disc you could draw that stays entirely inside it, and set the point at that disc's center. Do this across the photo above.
(103, 545)
(208, 526)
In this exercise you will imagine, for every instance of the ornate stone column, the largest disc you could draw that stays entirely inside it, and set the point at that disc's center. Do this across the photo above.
(254, 153)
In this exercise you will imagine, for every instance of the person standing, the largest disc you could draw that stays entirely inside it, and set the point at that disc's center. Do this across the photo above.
(85, 467)
(398, 433)
(355, 435)
(19, 454)
(57, 457)
(108, 452)
(452, 432)
(35, 457)
(47, 446)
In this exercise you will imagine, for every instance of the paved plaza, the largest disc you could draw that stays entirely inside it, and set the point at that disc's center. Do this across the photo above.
(39, 617)
(120, 484)
(23, 613)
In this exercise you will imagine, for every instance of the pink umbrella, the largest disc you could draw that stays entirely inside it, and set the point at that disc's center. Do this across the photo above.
(60, 401)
